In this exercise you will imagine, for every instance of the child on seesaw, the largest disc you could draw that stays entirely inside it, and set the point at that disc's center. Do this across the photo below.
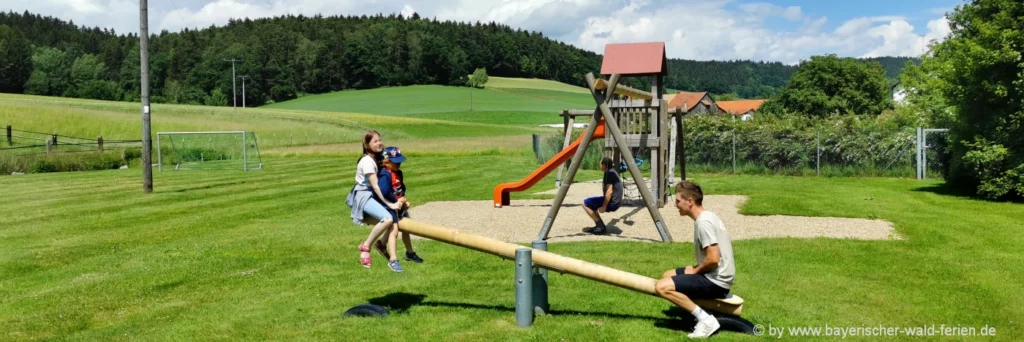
(392, 186)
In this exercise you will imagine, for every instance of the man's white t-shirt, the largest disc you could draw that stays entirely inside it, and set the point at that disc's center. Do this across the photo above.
(366, 166)
(708, 230)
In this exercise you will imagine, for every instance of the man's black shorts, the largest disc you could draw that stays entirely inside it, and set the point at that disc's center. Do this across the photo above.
(697, 286)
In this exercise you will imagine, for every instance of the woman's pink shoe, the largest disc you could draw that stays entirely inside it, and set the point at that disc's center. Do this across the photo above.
(367, 262)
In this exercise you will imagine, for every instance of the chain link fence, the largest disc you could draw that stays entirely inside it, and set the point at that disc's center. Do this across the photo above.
(831, 151)
(819, 152)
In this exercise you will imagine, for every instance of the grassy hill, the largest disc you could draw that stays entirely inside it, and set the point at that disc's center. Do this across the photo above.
(533, 83)
(275, 127)
(441, 99)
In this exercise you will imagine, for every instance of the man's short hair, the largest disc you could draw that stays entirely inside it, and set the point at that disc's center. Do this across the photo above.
(607, 162)
(691, 190)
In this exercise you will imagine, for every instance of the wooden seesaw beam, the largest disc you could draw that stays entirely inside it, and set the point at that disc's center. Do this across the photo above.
(552, 261)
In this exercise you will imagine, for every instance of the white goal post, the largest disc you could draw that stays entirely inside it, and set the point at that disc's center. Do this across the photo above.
(208, 150)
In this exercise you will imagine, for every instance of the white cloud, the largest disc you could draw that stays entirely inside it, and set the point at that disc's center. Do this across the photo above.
(82, 6)
(763, 10)
(407, 11)
(692, 29)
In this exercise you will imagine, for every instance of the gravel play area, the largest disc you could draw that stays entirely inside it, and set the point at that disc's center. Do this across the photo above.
(521, 221)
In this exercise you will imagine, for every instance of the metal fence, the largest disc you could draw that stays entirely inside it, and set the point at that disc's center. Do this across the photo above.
(815, 152)
(932, 152)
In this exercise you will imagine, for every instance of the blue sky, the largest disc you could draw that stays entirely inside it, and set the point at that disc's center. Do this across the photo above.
(916, 12)
(770, 30)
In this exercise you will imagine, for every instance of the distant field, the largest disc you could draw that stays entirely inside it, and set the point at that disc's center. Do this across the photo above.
(274, 127)
(438, 99)
(533, 83)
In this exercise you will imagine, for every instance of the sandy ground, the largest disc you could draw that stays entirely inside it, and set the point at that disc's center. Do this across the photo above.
(521, 221)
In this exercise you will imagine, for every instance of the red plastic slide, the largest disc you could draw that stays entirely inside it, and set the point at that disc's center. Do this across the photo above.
(501, 192)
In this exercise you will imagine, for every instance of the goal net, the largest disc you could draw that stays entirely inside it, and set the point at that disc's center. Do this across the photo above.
(234, 150)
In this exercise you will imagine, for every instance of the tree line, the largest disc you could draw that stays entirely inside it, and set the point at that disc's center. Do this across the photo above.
(285, 57)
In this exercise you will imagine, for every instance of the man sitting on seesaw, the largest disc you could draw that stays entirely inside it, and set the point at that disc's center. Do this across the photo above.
(712, 248)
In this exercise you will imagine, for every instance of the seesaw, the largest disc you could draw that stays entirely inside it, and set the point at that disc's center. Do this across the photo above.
(531, 274)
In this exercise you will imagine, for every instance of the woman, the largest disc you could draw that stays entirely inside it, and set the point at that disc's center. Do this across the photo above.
(362, 198)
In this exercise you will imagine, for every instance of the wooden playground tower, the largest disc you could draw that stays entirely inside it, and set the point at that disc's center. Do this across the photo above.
(632, 118)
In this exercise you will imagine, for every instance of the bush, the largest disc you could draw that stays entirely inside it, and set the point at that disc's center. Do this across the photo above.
(61, 162)
(990, 163)
(478, 79)
(850, 145)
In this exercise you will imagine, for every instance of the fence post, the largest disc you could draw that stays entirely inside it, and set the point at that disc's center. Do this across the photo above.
(99, 143)
(10, 141)
(54, 139)
(817, 165)
(536, 148)
(734, 151)
(918, 147)
(49, 146)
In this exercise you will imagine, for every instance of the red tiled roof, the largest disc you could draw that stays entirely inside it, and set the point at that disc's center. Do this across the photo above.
(690, 99)
(631, 59)
(740, 107)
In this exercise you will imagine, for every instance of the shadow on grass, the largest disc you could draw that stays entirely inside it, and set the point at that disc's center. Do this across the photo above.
(944, 189)
(400, 303)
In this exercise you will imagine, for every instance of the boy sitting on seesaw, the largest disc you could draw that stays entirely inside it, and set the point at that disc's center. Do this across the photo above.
(713, 275)
(392, 186)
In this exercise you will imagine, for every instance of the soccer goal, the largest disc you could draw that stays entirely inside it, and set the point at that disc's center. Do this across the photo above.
(230, 150)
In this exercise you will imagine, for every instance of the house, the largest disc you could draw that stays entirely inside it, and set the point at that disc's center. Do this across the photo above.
(693, 103)
(744, 109)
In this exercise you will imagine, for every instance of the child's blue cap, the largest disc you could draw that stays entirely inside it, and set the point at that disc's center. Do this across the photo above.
(393, 154)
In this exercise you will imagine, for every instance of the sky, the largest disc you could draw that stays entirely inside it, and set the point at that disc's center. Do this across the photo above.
(787, 31)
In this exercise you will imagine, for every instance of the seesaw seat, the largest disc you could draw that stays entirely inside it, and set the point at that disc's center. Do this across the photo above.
(731, 304)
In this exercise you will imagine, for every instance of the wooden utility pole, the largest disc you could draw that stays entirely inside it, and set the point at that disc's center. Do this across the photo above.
(147, 140)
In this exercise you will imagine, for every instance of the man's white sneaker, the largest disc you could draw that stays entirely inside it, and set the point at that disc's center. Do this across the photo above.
(705, 328)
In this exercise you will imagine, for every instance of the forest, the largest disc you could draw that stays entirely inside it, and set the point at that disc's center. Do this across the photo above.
(286, 57)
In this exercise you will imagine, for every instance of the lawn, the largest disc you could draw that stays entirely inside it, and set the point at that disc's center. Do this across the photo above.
(533, 83)
(440, 99)
(271, 255)
(274, 127)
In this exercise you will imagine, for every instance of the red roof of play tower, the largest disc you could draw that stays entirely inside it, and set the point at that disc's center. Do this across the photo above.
(634, 59)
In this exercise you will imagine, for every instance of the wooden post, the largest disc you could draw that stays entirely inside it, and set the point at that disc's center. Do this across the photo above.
(49, 146)
(569, 120)
(673, 148)
(10, 140)
(682, 148)
(99, 143)
(577, 158)
(663, 149)
(54, 136)
(654, 119)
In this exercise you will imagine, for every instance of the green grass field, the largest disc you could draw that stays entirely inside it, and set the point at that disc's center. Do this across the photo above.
(271, 255)
(275, 127)
(440, 99)
(533, 83)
